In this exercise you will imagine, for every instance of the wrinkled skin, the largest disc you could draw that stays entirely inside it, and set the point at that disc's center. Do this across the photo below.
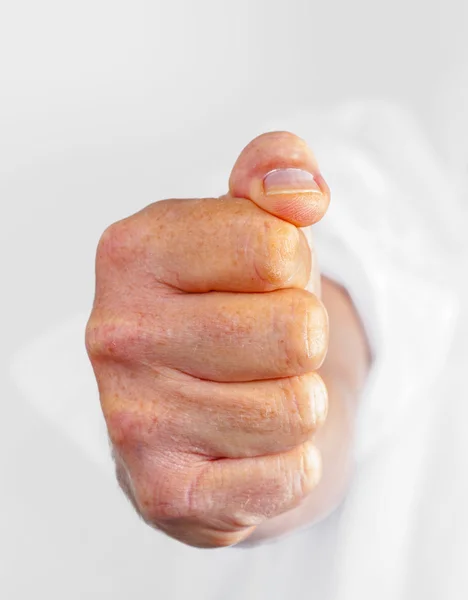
(205, 337)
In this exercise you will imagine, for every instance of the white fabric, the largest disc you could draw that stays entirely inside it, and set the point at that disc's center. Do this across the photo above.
(379, 240)
(384, 241)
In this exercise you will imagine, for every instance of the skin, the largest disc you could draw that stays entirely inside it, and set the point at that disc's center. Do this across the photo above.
(209, 342)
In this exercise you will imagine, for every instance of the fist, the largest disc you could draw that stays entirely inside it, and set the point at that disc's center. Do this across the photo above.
(205, 335)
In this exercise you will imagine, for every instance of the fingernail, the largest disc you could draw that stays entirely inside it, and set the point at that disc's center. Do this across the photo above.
(290, 181)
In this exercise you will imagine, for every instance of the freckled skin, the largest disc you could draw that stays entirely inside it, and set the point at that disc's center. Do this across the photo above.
(205, 337)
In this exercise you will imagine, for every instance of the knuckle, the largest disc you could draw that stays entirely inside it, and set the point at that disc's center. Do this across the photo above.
(130, 238)
(304, 477)
(154, 512)
(299, 398)
(168, 489)
(277, 261)
(129, 431)
(113, 243)
(308, 338)
(125, 242)
(197, 492)
(318, 329)
(140, 425)
(158, 496)
(310, 471)
(116, 338)
(319, 399)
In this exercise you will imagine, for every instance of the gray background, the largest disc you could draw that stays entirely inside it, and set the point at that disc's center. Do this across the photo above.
(106, 106)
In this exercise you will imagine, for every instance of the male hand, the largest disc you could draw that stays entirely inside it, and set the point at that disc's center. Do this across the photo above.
(205, 344)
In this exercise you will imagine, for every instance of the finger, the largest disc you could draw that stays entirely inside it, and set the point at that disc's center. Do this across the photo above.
(280, 174)
(220, 500)
(249, 490)
(254, 418)
(211, 244)
(224, 420)
(221, 336)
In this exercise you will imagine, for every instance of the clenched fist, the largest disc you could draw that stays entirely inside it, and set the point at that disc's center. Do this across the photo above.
(205, 337)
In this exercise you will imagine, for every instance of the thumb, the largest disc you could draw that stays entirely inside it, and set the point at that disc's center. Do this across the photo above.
(279, 172)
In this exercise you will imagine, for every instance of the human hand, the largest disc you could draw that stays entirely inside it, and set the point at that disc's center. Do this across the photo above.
(205, 344)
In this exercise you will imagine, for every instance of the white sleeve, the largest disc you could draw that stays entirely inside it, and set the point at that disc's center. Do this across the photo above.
(384, 240)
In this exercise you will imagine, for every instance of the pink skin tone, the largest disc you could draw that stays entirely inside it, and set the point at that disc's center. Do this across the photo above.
(208, 340)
